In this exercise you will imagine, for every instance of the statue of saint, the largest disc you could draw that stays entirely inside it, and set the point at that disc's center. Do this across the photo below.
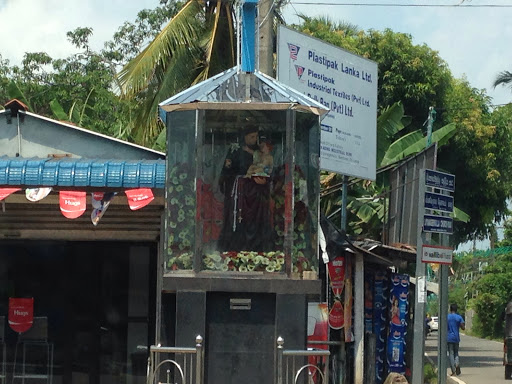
(246, 224)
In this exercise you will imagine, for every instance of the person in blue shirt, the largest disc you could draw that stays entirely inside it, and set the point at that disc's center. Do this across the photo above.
(455, 322)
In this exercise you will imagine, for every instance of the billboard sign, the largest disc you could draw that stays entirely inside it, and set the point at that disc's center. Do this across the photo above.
(347, 85)
(436, 254)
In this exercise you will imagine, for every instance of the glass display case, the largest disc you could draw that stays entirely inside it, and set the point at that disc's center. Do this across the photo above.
(242, 192)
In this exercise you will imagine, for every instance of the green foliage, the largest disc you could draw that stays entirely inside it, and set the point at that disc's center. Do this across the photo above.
(488, 321)
(82, 88)
(457, 295)
(196, 44)
(429, 374)
(479, 159)
(432, 307)
(494, 292)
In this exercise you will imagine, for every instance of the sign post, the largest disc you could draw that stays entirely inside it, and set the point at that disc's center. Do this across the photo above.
(434, 210)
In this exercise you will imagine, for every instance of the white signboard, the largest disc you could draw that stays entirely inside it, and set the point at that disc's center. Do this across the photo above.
(347, 85)
(436, 254)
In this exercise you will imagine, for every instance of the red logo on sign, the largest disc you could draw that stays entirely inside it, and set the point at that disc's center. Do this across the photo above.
(21, 314)
(336, 270)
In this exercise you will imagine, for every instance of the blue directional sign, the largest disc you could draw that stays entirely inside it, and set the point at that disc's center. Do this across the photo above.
(438, 202)
(438, 224)
(439, 180)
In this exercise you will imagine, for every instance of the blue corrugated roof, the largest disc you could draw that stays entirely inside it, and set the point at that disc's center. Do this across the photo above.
(82, 173)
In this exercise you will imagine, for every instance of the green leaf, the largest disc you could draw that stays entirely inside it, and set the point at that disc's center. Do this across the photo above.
(160, 143)
(15, 92)
(460, 215)
(74, 116)
(402, 147)
(58, 111)
(414, 142)
(181, 31)
(388, 124)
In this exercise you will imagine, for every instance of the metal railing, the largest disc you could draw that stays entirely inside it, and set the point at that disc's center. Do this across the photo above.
(183, 365)
(302, 366)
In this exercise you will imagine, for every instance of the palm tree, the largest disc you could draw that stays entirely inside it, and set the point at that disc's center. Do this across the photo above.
(504, 78)
(198, 43)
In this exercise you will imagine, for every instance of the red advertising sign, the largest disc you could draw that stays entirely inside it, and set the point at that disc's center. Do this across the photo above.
(21, 314)
(72, 203)
(139, 198)
(337, 275)
(337, 315)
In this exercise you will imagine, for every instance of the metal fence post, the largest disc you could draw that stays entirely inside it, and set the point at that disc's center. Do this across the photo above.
(280, 343)
(199, 359)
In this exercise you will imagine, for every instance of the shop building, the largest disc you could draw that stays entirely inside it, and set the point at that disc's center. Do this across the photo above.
(94, 287)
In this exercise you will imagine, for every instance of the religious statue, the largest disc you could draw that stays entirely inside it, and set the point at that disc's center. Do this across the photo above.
(263, 161)
(246, 224)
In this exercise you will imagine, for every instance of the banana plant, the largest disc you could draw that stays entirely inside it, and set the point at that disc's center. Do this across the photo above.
(73, 115)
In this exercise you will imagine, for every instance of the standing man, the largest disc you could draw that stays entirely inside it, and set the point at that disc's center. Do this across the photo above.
(455, 322)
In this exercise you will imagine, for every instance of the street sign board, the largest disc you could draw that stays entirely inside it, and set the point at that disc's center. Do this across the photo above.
(441, 180)
(437, 224)
(436, 254)
(438, 202)
(346, 84)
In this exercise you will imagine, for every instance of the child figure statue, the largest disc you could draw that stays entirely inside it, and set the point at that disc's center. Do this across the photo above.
(263, 161)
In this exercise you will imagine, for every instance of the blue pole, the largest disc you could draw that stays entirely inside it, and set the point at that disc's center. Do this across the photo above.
(248, 35)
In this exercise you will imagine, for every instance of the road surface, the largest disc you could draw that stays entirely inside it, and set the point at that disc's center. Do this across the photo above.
(481, 360)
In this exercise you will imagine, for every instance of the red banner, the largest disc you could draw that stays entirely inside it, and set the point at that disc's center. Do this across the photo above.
(4, 192)
(72, 203)
(21, 314)
(139, 198)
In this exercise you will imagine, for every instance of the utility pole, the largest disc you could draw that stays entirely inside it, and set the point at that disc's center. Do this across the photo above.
(266, 37)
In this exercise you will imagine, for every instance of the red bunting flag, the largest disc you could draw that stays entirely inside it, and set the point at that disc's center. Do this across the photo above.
(21, 314)
(72, 203)
(139, 198)
(4, 192)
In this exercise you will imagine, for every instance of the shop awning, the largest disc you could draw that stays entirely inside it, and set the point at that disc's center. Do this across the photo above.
(82, 173)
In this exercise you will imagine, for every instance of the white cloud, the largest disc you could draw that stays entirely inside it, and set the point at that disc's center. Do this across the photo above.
(41, 26)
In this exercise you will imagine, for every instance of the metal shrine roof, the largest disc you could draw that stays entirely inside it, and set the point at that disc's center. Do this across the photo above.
(72, 172)
(240, 90)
